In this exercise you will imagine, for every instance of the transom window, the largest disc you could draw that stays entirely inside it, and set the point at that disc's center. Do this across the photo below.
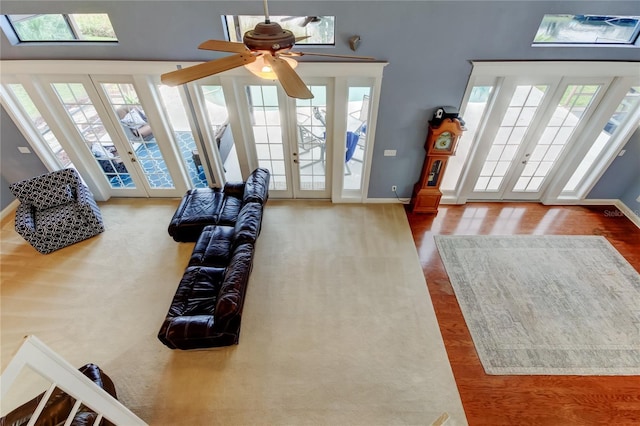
(59, 27)
(587, 29)
(319, 29)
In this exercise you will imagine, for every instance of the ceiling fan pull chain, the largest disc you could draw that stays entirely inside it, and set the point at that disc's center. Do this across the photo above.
(266, 12)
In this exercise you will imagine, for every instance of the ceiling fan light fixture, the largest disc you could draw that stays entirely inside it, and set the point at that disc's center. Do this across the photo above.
(263, 70)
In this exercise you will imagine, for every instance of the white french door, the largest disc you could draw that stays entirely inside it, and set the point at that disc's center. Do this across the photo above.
(290, 138)
(533, 125)
(107, 123)
(130, 135)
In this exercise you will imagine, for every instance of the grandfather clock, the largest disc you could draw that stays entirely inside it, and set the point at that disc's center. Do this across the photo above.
(442, 140)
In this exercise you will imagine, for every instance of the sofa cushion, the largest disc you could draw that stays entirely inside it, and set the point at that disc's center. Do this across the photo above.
(197, 292)
(43, 193)
(54, 197)
(230, 211)
(213, 247)
(198, 208)
(200, 204)
(59, 219)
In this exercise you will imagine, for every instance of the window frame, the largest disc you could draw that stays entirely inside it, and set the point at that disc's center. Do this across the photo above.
(633, 41)
(237, 34)
(8, 27)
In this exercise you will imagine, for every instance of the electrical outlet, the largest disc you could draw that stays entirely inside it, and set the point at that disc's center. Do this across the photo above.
(393, 188)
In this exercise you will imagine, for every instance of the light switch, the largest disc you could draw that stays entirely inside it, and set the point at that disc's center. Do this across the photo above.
(24, 150)
(622, 152)
(389, 152)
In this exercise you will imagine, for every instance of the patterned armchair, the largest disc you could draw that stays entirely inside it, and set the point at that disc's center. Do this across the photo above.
(56, 210)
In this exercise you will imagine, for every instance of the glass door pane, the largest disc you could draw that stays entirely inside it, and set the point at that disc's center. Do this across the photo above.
(623, 112)
(217, 117)
(40, 124)
(473, 112)
(142, 143)
(179, 122)
(311, 126)
(356, 137)
(86, 120)
(264, 111)
(568, 113)
(523, 106)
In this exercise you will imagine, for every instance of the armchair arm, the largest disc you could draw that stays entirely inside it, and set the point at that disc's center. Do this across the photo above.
(87, 204)
(83, 194)
(25, 223)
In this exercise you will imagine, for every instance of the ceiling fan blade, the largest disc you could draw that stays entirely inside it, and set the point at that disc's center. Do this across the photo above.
(223, 46)
(196, 72)
(302, 38)
(330, 55)
(288, 78)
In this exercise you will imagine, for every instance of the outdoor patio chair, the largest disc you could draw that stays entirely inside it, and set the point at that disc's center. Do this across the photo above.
(134, 123)
(362, 115)
(309, 141)
(56, 210)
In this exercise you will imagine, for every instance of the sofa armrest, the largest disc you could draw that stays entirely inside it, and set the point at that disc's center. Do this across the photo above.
(25, 222)
(187, 332)
(83, 194)
(231, 296)
(256, 187)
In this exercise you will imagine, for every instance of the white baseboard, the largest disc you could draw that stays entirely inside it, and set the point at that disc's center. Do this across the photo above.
(634, 216)
(387, 201)
(9, 210)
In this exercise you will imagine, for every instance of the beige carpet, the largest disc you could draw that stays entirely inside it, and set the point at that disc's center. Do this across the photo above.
(338, 327)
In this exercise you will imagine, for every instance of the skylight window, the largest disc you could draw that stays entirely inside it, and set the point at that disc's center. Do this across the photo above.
(83, 27)
(320, 29)
(588, 29)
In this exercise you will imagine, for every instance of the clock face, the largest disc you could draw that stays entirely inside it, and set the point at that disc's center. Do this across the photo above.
(443, 142)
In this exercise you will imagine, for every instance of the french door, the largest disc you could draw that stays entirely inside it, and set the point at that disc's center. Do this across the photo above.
(106, 122)
(290, 137)
(130, 135)
(533, 125)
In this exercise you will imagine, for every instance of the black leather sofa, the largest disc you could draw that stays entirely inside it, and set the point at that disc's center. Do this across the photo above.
(206, 310)
(201, 207)
(59, 405)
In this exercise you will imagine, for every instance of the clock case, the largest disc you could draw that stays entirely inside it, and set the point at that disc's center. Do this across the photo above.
(426, 192)
(448, 125)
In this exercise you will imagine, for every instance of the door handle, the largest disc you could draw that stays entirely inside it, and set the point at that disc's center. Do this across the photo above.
(295, 153)
(133, 160)
(295, 161)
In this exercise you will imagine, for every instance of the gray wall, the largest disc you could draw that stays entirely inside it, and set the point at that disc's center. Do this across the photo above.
(622, 178)
(428, 45)
(14, 166)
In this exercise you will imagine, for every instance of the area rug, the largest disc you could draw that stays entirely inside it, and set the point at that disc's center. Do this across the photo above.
(552, 305)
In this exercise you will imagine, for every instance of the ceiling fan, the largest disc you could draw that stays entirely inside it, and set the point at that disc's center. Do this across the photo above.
(265, 52)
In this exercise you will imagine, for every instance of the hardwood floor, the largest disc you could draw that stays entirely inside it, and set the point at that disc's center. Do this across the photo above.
(525, 400)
